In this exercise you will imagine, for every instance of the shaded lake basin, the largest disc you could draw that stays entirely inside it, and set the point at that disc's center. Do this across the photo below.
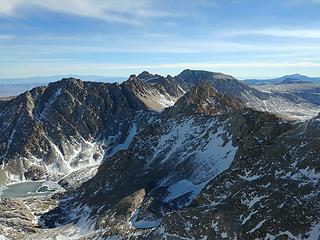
(27, 189)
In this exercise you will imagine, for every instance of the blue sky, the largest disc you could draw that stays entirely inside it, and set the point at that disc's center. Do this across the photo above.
(244, 38)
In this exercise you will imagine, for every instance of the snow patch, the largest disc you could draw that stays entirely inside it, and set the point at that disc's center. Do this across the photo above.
(123, 146)
(315, 232)
(247, 218)
(248, 177)
(259, 225)
(251, 202)
(143, 223)
(182, 187)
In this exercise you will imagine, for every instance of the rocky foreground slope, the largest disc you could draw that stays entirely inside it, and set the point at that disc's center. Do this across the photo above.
(209, 167)
(270, 191)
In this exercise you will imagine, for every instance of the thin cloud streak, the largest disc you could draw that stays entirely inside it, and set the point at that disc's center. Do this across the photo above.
(6, 37)
(43, 68)
(93, 66)
(295, 33)
(41, 60)
(207, 65)
(122, 11)
(172, 46)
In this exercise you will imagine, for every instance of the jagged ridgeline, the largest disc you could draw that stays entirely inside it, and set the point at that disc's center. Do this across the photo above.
(199, 155)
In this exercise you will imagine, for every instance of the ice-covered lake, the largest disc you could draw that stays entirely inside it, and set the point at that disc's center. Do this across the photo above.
(28, 189)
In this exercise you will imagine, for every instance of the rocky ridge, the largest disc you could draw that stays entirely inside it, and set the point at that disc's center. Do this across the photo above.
(69, 124)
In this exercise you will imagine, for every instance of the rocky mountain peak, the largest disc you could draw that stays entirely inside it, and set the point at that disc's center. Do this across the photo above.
(133, 77)
(291, 80)
(68, 81)
(134, 84)
(63, 125)
(66, 84)
(145, 76)
(198, 75)
(203, 98)
(224, 84)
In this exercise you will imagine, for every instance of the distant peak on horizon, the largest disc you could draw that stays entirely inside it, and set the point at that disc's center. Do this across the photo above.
(296, 76)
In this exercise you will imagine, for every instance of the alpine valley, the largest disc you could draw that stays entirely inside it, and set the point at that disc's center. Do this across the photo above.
(200, 155)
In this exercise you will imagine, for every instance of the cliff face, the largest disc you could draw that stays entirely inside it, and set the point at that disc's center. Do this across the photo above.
(155, 91)
(69, 124)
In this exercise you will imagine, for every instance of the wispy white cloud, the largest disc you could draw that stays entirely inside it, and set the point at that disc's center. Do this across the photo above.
(173, 45)
(130, 12)
(7, 7)
(6, 37)
(206, 65)
(26, 59)
(291, 33)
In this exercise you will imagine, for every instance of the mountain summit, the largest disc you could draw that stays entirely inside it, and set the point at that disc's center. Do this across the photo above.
(203, 98)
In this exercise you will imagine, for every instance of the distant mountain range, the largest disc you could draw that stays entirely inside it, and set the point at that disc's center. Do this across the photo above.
(288, 79)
